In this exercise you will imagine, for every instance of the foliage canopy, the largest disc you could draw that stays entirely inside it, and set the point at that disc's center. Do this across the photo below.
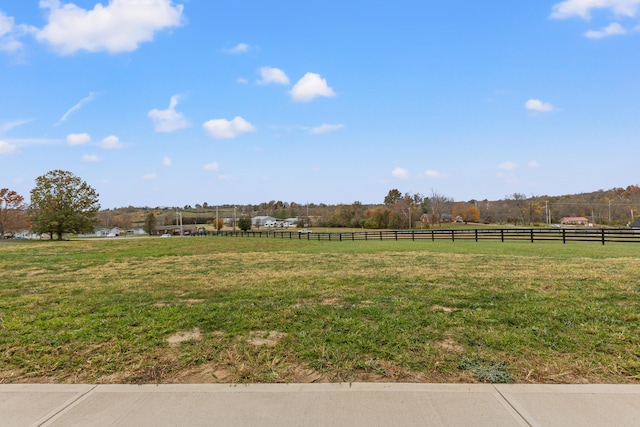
(63, 203)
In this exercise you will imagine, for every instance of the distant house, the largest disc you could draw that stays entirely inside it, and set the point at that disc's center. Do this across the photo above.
(446, 218)
(636, 223)
(574, 220)
(262, 221)
(138, 231)
(103, 232)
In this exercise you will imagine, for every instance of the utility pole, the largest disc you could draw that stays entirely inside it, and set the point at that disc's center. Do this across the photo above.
(179, 222)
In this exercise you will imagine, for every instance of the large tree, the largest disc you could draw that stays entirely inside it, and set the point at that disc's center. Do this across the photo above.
(63, 203)
(150, 223)
(11, 211)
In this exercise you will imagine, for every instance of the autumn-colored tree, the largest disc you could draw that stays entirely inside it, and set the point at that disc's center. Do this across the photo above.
(11, 211)
(63, 203)
(218, 224)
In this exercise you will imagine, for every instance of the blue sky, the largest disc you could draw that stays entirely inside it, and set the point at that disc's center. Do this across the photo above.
(169, 103)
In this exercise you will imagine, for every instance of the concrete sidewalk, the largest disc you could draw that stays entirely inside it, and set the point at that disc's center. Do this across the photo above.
(358, 404)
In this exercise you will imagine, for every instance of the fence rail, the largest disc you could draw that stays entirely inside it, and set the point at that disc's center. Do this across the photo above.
(600, 235)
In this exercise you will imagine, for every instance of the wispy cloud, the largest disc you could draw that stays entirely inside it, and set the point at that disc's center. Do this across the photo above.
(90, 158)
(76, 107)
(325, 128)
(613, 29)
(166, 161)
(6, 127)
(309, 87)
(508, 166)
(237, 49)
(434, 174)
(213, 167)
(150, 176)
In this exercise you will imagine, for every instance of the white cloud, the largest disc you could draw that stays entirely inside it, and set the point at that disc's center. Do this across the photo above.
(168, 120)
(150, 176)
(225, 129)
(433, 174)
(309, 87)
(6, 148)
(212, 167)
(166, 161)
(400, 173)
(508, 166)
(111, 142)
(533, 164)
(272, 75)
(325, 128)
(78, 138)
(10, 32)
(538, 106)
(583, 8)
(120, 26)
(612, 29)
(242, 81)
(239, 48)
(90, 158)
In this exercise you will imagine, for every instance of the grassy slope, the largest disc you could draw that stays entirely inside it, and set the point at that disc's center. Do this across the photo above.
(273, 310)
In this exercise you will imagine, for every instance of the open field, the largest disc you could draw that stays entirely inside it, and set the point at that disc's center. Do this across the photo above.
(206, 309)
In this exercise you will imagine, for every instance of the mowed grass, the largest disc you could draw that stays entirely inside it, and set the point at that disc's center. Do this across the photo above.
(207, 309)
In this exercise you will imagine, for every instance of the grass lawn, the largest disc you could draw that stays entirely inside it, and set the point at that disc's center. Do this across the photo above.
(214, 309)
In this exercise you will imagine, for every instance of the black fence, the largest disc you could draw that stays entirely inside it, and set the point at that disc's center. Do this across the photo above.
(601, 235)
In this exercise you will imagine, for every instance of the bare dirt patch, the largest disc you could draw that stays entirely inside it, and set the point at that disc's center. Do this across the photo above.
(265, 339)
(183, 336)
(450, 345)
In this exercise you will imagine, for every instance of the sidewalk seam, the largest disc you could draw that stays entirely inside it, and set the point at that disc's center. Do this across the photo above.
(508, 402)
(67, 406)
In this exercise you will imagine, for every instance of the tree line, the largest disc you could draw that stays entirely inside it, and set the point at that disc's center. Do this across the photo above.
(63, 203)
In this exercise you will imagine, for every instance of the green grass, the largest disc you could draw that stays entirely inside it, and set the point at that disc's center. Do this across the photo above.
(278, 310)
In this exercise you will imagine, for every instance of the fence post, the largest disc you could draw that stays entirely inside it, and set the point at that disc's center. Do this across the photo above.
(532, 235)
(476, 234)
(413, 235)
(453, 235)
(502, 234)
(353, 236)
(433, 237)
(603, 237)
(381, 235)
(564, 236)
(396, 234)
